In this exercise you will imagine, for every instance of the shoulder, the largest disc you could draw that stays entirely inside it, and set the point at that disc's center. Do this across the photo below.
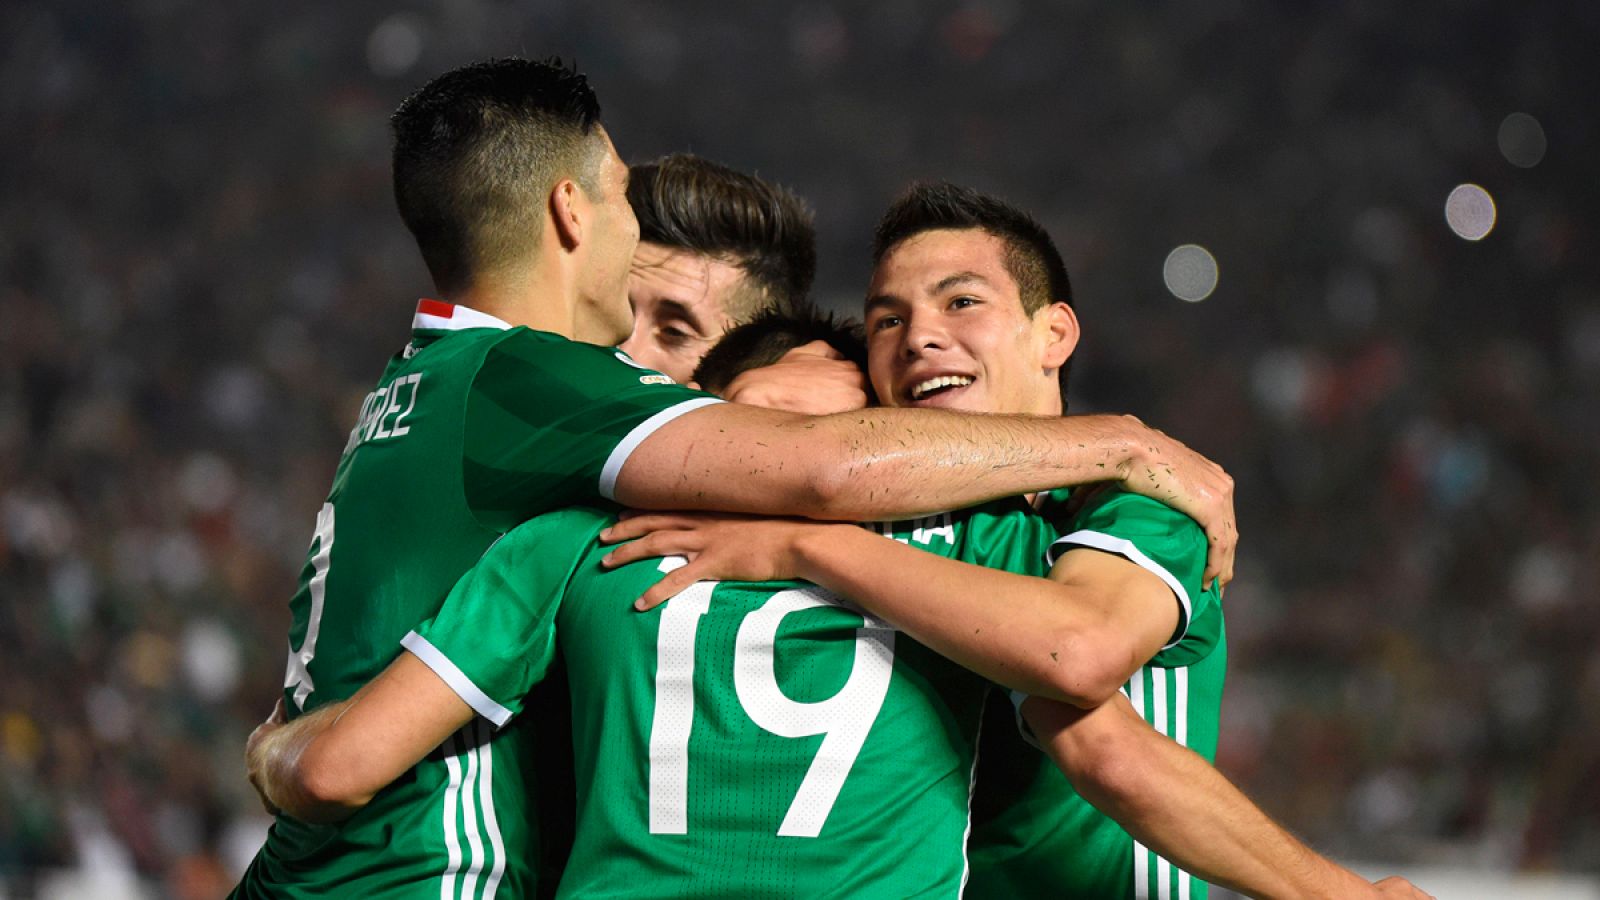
(539, 359)
(544, 349)
(1122, 512)
(546, 534)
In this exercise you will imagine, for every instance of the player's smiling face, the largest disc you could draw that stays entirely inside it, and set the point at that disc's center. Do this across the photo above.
(946, 328)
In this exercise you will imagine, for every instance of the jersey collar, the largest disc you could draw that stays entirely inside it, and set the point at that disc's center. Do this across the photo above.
(436, 315)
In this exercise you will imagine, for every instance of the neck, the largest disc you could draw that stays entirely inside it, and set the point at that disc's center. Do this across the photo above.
(540, 297)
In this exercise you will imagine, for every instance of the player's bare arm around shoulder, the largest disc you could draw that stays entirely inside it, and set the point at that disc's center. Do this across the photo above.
(327, 764)
(874, 464)
(1076, 636)
(1174, 802)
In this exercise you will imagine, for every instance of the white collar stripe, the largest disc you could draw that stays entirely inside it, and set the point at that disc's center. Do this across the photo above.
(435, 315)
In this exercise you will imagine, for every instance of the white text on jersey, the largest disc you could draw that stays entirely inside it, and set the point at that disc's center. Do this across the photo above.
(383, 413)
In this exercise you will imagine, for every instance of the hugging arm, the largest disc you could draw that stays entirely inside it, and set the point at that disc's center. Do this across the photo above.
(327, 764)
(875, 464)
(1075, 637)
(1174, 802)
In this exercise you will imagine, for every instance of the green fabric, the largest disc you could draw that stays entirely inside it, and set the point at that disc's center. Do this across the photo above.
(1033, 836)
(770, 707)
(452, 415)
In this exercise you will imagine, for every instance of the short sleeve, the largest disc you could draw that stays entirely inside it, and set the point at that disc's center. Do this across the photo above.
(1005, 535)
(494, 638)
(550, 423)
(1164, 542)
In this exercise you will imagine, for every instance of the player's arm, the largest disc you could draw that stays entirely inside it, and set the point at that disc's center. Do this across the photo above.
(894, 463)
(1174, 802)
(489, 644)
(1076, 636)
(327, 764)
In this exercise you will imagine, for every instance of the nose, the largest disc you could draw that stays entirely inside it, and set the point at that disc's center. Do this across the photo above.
(922, 334)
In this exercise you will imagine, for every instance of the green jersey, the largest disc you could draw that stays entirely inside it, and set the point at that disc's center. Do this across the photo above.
(1033, 836)
(741, 740)
(474, 427)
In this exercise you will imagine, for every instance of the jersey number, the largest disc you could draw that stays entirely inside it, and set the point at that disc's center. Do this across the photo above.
(299, 676)
(844, 719)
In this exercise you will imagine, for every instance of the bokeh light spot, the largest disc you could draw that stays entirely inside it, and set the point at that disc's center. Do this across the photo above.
(1190, 273)
(1470, 212)
(1522, 140)
(395, 45)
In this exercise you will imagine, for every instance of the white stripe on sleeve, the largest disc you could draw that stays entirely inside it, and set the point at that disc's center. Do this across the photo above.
(458, 681)
(1126, 549)
(631, 441)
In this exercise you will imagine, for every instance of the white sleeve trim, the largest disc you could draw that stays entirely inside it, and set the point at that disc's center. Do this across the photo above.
(631, 441)
(1023, 728)
(458, 681)
(1125, 548)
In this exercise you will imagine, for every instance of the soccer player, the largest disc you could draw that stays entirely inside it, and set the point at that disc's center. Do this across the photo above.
(505, 404)
(699, 674)
(970, 308)
(716, 248)
(706, 676)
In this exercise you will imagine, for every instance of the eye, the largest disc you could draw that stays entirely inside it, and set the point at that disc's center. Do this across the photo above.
(885, 322)
(964, 301)
(673, 335)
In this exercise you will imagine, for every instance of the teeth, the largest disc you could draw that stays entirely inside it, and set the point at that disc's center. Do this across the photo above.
(943, 381)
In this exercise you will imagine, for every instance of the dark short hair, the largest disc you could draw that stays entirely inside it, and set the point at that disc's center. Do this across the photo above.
(765, 339)
(689, 203)
(476, 153)
(1031, 257)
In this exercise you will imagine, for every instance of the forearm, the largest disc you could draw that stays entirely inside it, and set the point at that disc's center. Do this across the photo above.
(873, 463)
(1174, 802)
(326, 765)
(285, 773)
(1015, 630)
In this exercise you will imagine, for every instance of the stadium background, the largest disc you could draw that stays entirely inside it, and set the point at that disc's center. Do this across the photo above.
(203, 273)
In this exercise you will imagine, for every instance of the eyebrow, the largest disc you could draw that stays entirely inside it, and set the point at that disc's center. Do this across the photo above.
(876, 303)
(950, 281)
(939, 287)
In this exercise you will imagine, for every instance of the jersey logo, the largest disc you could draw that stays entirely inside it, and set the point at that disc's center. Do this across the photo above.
(656, 379)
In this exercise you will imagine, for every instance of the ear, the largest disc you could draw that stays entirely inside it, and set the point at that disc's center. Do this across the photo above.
(1061, 334)
(568, 211)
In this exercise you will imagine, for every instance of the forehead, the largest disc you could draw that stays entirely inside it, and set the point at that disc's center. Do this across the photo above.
(684, 276)
(919, 263)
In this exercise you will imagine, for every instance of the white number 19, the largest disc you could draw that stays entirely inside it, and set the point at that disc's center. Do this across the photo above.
(844, 719)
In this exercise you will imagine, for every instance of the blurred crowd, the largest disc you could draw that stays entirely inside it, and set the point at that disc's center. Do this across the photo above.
(204, 273)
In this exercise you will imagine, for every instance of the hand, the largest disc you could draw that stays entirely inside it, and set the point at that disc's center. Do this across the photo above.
(718, 546)
(1395, 886)
(255, 754)
(813, 379)
(1168, 471)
